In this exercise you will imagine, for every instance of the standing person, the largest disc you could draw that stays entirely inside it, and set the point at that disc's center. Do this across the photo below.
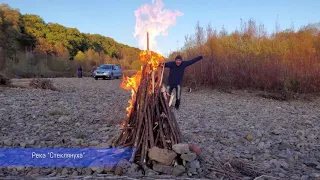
(176, 75)
(80, 72)
(93, 69)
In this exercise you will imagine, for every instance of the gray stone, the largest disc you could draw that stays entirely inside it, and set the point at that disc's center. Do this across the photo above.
(31, 142)
(181, 148)
(284, 164)
(304, 177)
(22, 144)
(261, 145)
(163, 168)
(294, 177)
(311, 162)
(276, 163)
(20, 168)
(109, 169)
(163, 156)
(54, 173)
(87, 171)
(178, 170)
(97, 169)
(8, 142)
(194, 164)
(315, 175)
(258, 133)
(64, 172)
(88, 178)
(283, 146)
(64, 119)
(134, 170)
(104, 129)
(150, 172)
(124, 163)
(78, 141)
(93, 143)
(189, 157)
(119, 170)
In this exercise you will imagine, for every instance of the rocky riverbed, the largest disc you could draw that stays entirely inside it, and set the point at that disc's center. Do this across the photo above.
(283, 137)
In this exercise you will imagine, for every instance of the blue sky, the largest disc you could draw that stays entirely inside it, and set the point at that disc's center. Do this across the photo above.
(115, 18)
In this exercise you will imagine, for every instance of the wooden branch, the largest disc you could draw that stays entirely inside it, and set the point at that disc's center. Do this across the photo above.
(161, 76)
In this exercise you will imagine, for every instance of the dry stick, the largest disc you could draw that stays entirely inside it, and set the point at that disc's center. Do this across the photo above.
(145, 135)
(142, 148)
(153, 82)
(176, 126)
(157, 137)
(170, 132)
(168, 114)
(145, 104)
(139, 120)
(177, 129)
(150, 119)
(161, 77)
(140, 142)
(162, 135)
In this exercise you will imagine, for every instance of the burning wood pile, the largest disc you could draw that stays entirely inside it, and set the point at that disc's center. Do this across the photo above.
(150, 121)
(151, 128)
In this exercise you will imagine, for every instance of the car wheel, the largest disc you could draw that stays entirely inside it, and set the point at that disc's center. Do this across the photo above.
(96, 78)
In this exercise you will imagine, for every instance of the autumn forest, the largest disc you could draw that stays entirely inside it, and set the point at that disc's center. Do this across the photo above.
(29, 45)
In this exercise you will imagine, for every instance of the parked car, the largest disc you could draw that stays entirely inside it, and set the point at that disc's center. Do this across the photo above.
(108, 71)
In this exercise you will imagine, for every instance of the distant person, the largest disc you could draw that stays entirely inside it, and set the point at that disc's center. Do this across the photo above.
(93, 69)
(176, 75)
(80, 72)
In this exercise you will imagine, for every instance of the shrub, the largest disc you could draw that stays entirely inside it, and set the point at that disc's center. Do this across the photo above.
(42, 84)
(4, 80)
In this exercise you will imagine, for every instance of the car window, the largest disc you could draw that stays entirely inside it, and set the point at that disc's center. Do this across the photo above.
(105, 67)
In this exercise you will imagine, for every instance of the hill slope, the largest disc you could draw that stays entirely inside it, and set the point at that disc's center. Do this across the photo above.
(28, 43)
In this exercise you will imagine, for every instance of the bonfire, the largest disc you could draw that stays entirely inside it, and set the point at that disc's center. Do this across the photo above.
(150, 121)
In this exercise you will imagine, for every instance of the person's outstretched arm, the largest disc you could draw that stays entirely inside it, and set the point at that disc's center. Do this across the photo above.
(170, 64)
(192, 61)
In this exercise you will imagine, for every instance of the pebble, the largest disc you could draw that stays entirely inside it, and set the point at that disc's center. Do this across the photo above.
(189, 157)
(304, 177)
(8, 142)
(261, 145)
(284, 164)
(64, 172)
(31, 142)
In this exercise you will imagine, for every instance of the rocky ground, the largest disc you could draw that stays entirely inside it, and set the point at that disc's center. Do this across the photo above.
(282, 137)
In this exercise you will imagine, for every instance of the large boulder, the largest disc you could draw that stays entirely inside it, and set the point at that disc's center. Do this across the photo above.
(163, 156)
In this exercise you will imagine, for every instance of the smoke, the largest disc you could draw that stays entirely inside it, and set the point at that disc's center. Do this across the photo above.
(155, 20)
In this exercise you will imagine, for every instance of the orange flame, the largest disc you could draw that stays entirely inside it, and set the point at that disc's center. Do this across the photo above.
(133, 83)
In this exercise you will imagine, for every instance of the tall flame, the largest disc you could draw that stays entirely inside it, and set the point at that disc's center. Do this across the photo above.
(155, 20)
(132, 83)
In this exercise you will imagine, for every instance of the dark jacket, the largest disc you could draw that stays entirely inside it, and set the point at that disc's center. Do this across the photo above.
(176, 72)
